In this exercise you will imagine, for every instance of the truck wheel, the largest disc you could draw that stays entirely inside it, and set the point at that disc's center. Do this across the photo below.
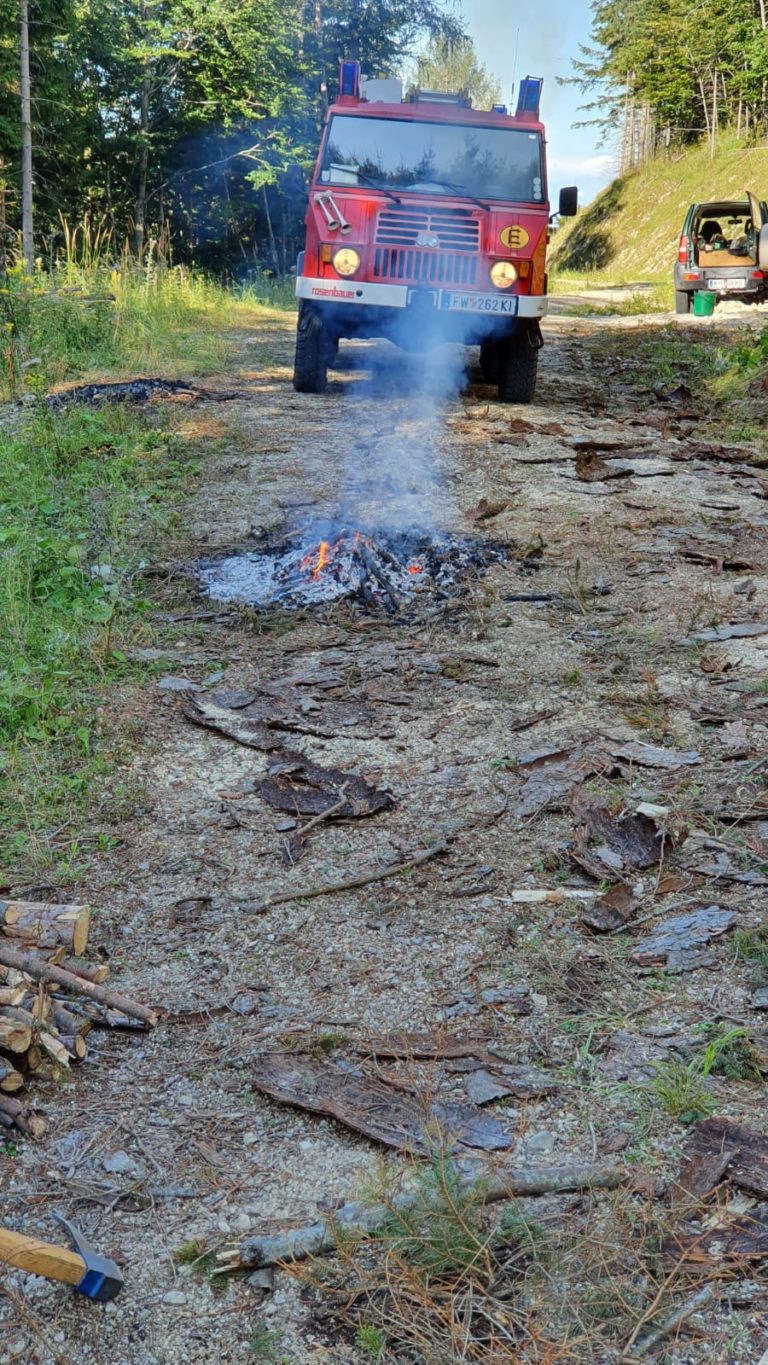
(489, 361)
(518, 364)
(310, 367)
(682, 301)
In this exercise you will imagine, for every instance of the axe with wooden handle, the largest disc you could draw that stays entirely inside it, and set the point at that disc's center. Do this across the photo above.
(91, 1274)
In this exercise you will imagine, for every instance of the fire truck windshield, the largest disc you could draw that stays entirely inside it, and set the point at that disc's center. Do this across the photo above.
(434, 158)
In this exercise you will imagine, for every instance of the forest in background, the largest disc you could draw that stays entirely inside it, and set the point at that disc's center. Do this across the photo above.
(663, 73)
(168, 124)
(164, 127)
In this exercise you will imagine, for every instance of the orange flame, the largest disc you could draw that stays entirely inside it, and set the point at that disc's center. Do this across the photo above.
(415, 568)
(320, 560)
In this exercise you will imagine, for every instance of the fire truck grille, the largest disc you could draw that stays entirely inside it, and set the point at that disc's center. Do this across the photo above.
(451, 229)
(423, 267)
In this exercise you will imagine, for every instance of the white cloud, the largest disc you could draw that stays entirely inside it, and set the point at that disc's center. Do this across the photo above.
(590, 165)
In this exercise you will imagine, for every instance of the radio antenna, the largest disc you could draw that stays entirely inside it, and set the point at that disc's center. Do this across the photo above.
(514, 65)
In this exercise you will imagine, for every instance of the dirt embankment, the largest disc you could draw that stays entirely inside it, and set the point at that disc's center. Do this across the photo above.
(633, 533)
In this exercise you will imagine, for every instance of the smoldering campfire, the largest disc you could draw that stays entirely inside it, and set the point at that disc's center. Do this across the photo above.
(381, 570)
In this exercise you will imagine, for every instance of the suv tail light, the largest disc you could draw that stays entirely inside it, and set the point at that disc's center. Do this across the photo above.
(682, 250)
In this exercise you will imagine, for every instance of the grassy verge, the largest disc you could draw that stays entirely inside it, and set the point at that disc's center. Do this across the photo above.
(631, 228)
(100, 321)
(87, 497)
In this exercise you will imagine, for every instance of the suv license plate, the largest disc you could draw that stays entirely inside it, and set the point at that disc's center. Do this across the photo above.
(722, 285)
(479, 303)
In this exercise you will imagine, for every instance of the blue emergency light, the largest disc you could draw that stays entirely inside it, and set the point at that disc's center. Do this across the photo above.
(499, 109)
(349, 79)
(529, 98)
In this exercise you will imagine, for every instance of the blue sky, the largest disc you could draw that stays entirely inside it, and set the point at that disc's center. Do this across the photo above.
(549, 35)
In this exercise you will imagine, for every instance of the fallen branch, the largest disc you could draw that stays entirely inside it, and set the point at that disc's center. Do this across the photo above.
(295, 842)
(46, 971)
(356, 1221)
(350, 884)
(669, 1325)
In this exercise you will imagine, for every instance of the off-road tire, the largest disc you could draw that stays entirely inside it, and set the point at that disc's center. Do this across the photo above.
(310, 366)
(518, 366)
(682, 301)
(489, 361)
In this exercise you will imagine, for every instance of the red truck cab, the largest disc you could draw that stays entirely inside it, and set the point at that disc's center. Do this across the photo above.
(427, 222)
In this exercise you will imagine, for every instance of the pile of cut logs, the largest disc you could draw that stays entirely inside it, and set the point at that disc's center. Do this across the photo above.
(49, 1001)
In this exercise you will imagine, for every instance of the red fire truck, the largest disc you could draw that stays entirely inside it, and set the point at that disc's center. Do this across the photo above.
(427, 222)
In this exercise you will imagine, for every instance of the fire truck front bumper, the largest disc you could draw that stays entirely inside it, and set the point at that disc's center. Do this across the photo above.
(349, 294)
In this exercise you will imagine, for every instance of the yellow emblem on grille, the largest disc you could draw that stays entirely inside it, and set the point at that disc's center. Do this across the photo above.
(515, 237)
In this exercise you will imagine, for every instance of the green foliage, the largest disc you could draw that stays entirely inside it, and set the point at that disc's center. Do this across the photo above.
(183, 114)
(454, 66)
(371, 1340)
(730, 1053)
(751, 945)
(441, 1232)
(680, 1087)
(265, 1345)
(693, 69)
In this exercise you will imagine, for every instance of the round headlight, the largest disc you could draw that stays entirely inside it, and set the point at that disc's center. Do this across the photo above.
(503, 274)
(346, 261)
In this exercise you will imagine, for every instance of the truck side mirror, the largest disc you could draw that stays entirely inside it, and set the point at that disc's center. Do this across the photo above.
(293, 181)
(569, 202)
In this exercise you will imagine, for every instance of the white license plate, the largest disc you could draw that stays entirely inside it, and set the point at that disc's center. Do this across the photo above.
(723, 285)
(478, 303)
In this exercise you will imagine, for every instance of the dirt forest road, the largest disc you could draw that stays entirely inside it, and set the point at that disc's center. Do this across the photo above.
(585, 677)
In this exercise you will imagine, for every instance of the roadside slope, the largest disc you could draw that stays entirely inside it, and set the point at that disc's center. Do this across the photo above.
(631, 228)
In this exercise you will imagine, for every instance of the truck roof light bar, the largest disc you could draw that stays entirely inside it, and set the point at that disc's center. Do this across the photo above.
(529, 98)
(349, 81)
(439, 97)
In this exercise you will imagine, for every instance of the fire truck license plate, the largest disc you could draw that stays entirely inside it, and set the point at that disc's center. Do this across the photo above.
(479, 303)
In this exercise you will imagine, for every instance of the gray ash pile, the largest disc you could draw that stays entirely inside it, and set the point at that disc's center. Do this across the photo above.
(381, 570)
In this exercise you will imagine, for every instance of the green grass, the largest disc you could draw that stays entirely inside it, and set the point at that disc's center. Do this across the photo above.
(751, 945)
(680, 1087)
(76, 322)
(85, 497)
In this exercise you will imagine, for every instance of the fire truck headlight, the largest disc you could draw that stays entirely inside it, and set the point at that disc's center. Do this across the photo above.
(503, 274)
(346, 261)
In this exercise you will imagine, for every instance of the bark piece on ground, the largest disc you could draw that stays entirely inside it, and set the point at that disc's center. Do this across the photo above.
(276, 707)
(524, 1082)
(592, 468)
(420, 1046)
(235, 723)
(555, 773)
(487, 508)
(611, 911)
(297, 785)
(748, 1166)
(729, 1243)
(615, 847)
(739, 630)
(652, 755)
(675, 944)
(482, 1087)
(374, 1109)
(701, 1173)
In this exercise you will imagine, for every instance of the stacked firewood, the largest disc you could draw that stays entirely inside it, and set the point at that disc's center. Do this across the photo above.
(49, 1001)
